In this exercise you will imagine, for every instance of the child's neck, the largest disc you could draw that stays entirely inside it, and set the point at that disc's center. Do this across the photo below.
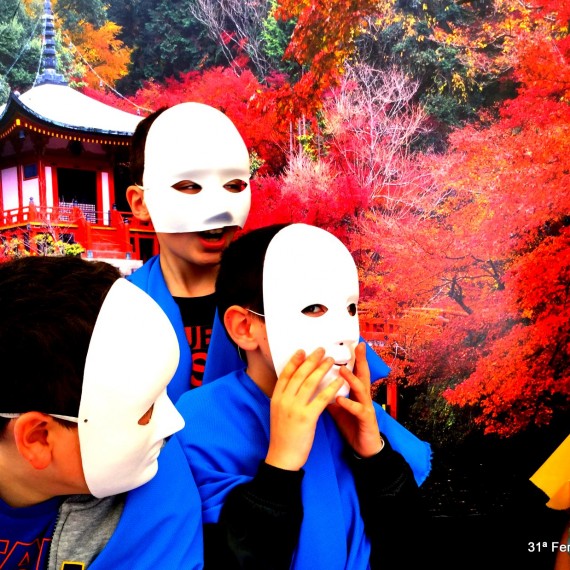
(189, 280)
(262, 375)
(17, 492)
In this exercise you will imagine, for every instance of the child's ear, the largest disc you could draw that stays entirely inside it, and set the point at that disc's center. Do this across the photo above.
(32, 435)
(135, 198)
(238, 322)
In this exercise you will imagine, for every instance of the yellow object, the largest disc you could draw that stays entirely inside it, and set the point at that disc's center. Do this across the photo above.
(553, 477)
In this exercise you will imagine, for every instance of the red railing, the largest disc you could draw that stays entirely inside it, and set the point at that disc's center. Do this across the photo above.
(89, 228)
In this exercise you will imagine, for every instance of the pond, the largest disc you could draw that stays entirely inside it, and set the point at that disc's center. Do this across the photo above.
(484, 512)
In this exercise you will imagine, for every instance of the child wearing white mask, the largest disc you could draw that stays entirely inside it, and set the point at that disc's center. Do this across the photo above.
(85, 475)
(296, 466)
(190, 168)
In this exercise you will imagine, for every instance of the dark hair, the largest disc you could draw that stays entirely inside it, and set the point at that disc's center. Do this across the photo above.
(49, 306)
(240, 277)
(138, 142)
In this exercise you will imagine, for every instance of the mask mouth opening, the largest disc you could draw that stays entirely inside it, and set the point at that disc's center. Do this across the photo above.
(215, 233)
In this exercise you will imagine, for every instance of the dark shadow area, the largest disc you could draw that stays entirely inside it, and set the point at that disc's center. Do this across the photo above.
(484, 511)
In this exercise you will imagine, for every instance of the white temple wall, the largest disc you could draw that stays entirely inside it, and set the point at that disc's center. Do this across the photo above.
(31, 189)
(10, 188)
(105, 197)
(49, 186)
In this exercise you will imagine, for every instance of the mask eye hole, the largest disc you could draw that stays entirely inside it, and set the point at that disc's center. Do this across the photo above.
(351, 309)
(316, 310)
(235, 186)
(187, 187)
(145, 418)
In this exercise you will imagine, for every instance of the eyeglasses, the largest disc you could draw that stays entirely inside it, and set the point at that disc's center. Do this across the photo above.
(58, 416)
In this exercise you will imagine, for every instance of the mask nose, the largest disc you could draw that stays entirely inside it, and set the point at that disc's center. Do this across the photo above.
(224, 219)
(341, 351)
(168, 419)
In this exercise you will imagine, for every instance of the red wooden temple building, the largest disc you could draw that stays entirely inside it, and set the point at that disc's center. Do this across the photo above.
(64, 171)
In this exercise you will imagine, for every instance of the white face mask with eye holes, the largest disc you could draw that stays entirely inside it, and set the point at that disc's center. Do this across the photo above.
(310, 297)
(196, 171)
(125, 414)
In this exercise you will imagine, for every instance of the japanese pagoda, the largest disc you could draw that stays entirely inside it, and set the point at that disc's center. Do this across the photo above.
(64, 171)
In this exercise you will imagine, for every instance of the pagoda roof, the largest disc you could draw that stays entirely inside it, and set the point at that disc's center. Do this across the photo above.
(64, 107)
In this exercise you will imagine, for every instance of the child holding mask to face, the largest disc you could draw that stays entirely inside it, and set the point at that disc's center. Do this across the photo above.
(295, 464)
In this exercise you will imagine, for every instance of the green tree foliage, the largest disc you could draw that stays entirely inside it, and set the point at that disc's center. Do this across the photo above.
(452, 85)
(275, 36)
(21, 29)
(20, 47)
(74, 12)
(166, 38)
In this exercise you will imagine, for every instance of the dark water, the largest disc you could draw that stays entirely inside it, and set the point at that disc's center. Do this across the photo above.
(484, 511)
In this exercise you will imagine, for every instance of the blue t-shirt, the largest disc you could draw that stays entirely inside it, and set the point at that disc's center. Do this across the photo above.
(26, 533)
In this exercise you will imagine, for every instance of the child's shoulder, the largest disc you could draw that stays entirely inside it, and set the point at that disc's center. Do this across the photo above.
(230, 404)
(212, 396)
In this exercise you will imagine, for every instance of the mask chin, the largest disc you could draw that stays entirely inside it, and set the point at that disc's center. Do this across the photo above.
(124, 479)
(340, 356)
(330, 377)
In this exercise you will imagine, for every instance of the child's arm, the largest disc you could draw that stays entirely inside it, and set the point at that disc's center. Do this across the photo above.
(259, 523)
(390, 501)
(260, 520)
(392, 509)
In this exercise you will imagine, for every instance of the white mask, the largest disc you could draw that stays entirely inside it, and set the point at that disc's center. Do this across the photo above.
(133, 354)
(304, 266)
(198, 143)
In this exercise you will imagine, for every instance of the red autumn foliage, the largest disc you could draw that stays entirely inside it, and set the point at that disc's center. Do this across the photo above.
(509, 212)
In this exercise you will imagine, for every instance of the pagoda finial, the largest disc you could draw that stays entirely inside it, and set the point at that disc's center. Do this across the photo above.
(49, 58)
